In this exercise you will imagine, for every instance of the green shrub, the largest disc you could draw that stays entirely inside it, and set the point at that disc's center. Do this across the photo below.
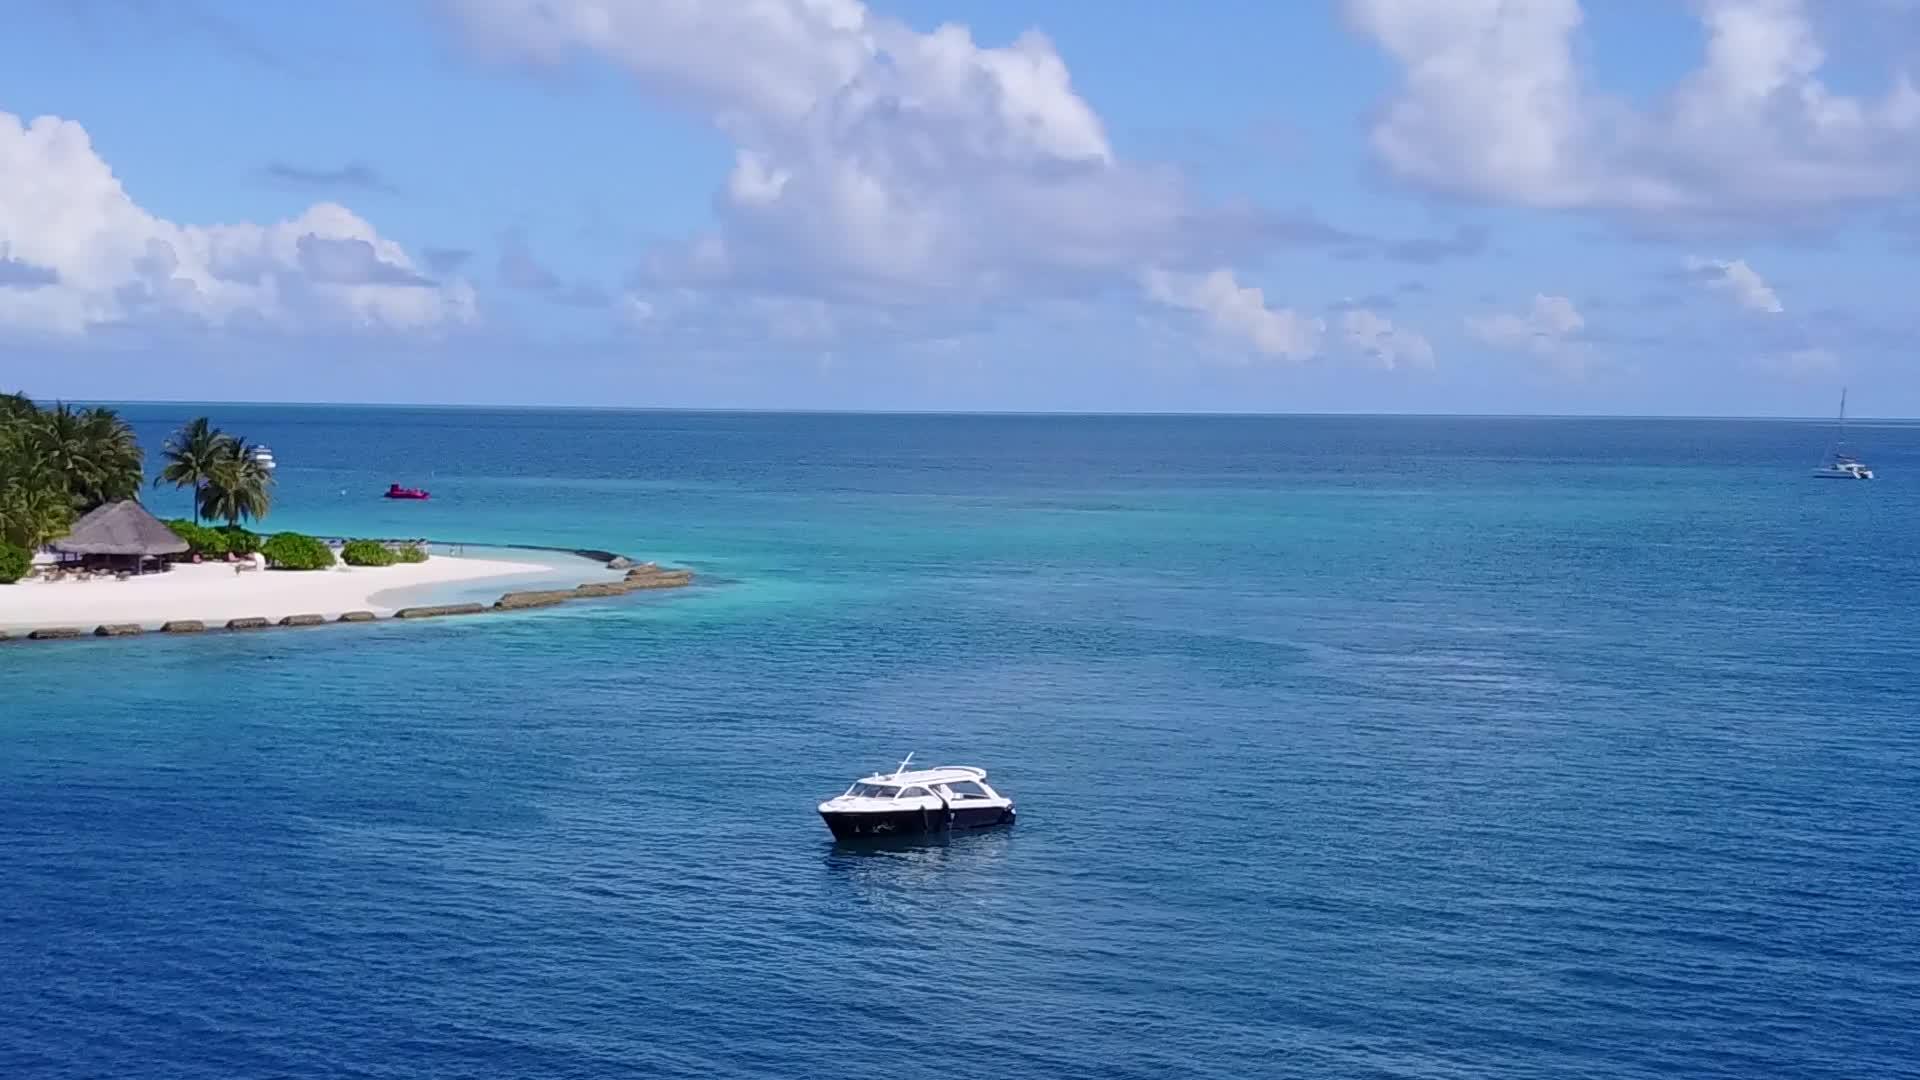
(367, 553)
(240, 539)
(15, 561)
(295, 551)
(410, 553)
(201, 541)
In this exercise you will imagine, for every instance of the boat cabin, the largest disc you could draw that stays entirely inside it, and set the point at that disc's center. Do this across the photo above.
(954, 783)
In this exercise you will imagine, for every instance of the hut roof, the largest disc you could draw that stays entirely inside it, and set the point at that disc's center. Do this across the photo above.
(120, 528)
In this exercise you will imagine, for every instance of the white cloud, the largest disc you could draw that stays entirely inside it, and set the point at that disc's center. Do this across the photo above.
(1550, 330)
(1237, 311)
(877, 164)
(1496, 105)
(1240, 314)
(1373, 336)
(1738, 280)
(102, 260)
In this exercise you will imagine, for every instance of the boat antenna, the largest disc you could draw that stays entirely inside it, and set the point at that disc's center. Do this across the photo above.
(903, 765)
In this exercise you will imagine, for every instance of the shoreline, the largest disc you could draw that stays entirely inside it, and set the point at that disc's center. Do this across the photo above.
(591, 554)
(195, 597)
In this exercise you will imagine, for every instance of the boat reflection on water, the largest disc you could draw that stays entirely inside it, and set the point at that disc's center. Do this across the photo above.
(903, 865)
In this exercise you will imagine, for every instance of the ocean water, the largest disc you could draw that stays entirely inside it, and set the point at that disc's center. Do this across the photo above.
(1344, 747)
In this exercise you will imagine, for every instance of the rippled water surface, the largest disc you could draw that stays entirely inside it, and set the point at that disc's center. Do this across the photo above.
(1344, 748)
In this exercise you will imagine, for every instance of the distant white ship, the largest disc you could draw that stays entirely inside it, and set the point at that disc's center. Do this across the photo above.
(263, 457)
(1841, 465)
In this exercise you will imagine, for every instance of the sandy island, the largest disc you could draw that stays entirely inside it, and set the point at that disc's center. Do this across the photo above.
(214, 593)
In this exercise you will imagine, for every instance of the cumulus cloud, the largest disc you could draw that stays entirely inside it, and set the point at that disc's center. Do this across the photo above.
(1738, 280)
(106, 261)
(1495, 104)
(1241, 314)
(1550, 329)
(1374, 337)
(349, 260)
(20, 274)
(1238, 311)
(875, 164)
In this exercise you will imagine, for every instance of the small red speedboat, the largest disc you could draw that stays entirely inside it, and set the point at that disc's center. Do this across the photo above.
(395, 491)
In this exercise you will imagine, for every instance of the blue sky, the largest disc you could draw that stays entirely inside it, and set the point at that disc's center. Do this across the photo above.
(1538, 206)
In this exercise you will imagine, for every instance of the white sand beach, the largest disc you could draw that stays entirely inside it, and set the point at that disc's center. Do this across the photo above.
(215, 593)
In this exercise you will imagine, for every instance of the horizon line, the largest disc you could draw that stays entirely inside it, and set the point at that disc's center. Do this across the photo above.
(908, 412)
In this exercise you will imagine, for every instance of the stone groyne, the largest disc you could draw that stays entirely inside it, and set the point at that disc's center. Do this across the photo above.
(640, 577)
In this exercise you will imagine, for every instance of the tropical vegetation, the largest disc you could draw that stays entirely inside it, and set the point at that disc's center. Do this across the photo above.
(240, 539)
(410, 553)
(58, 463)
(368, 553)
(213, 542)
(201, 540)
(228, 484)
(296, 551)
(15, 561)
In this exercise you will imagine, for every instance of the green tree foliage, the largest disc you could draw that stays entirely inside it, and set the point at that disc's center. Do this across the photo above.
(202, 541)
(296, 551)
(57, 463)
(93, 449)
(240, 540)
(236, 488)
(15, 561)
(35, 504)
(17, 407)
(191, 455)
(410, 553)
(367, 553)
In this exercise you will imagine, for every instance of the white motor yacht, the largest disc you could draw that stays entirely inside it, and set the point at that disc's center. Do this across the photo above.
(263, 457)
(903, 803)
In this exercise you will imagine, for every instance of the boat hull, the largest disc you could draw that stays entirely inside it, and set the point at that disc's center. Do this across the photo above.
(854, 824)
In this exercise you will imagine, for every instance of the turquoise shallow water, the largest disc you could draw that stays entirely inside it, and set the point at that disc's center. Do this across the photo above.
(1344, 747)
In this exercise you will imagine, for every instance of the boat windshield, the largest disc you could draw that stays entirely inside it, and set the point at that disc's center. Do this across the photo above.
(873, 791)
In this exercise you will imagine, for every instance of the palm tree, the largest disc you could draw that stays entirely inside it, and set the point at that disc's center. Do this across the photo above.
(192, 453)
(237, 488)
(35, 503)
(94, 449)
(119, 462)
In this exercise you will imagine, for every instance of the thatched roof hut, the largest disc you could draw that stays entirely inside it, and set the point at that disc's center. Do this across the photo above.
(120, 528)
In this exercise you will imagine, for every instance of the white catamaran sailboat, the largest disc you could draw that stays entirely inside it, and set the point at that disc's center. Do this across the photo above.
(1841, 465)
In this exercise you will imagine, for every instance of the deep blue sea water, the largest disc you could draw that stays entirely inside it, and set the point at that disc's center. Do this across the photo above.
(1344, 747)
